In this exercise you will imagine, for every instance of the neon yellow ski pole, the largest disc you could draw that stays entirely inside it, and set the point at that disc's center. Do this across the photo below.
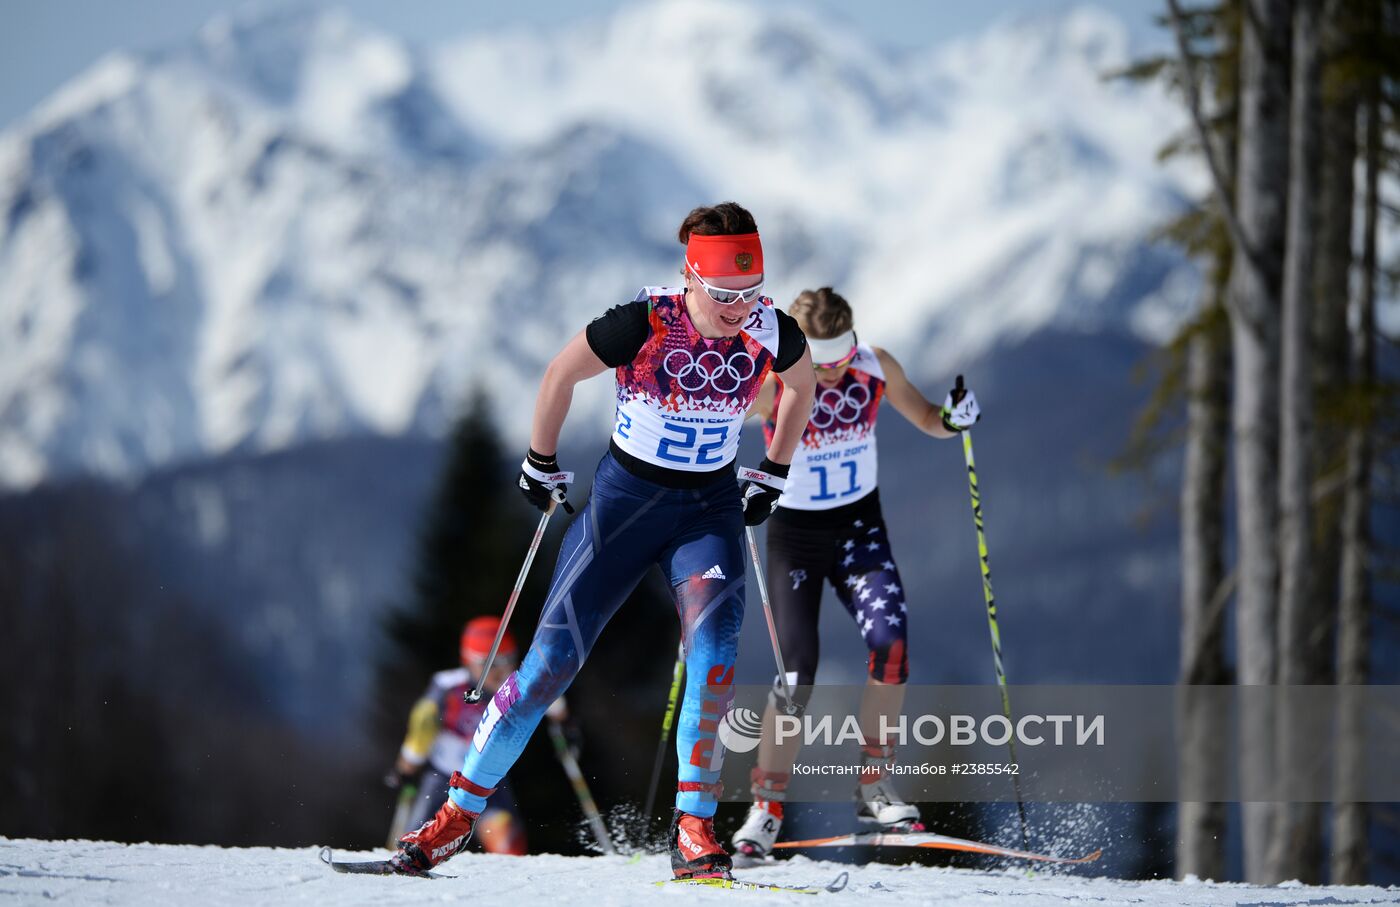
(407, 794)
(991, 602)
(677, 673)
(580, 786)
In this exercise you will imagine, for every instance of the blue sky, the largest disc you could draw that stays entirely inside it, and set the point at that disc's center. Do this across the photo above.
(46, 42)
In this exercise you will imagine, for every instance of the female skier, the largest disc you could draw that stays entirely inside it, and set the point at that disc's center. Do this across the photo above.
(689, 363)
(440, 729)
(828, 527)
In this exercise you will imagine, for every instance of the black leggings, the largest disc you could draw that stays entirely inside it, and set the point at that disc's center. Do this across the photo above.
(850, 547)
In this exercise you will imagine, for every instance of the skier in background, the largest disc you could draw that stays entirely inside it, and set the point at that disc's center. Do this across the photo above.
(828, 527)
(440, 729)
(689, 363)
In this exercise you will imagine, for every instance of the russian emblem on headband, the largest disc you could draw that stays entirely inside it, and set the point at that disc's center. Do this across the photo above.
(724, 255)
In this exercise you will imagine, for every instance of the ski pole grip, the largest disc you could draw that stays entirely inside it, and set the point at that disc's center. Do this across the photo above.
(561, 498)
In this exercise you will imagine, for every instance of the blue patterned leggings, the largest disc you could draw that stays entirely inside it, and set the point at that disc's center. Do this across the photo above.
(628, 525)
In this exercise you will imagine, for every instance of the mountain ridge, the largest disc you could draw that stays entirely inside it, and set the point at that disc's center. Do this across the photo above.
(294, 227)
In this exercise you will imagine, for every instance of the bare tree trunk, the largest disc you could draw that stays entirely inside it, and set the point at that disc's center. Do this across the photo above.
(1295, 850)
(1349, 820)
(1201, 744)
(1336, 216)
(1201, 756)
(1260, 192)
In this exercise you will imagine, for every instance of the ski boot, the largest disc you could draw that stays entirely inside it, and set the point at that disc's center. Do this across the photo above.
(695, 853)
(753, 842)
(876, 800)
(441, 837)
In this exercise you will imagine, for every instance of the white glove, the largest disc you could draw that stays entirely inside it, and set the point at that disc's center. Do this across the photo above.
(960, 409)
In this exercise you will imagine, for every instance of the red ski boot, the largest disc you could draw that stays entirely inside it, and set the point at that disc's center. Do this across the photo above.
(695, 852)
(439, 838)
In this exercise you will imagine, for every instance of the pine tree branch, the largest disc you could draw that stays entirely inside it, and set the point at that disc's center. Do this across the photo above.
(1193, 102)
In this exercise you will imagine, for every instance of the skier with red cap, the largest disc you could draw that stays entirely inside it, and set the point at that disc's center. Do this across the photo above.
(688, 362)
(440, 729)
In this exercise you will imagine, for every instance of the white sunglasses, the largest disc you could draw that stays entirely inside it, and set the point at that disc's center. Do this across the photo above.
(727, 297)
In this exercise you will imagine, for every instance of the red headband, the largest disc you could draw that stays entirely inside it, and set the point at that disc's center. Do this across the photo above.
(724, 256)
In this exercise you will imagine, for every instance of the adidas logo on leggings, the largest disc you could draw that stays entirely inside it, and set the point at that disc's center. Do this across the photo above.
(713, 573)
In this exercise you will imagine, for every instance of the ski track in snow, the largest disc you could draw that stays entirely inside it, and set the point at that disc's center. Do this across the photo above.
(155, 875)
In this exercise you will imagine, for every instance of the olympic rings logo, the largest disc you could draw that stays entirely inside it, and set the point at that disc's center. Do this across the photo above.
(692, 373)
(833, 405)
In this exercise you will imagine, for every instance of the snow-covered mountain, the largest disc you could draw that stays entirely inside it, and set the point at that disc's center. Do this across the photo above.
(293, 227)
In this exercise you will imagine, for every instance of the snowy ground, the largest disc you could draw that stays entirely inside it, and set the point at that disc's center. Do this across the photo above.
(93, 872)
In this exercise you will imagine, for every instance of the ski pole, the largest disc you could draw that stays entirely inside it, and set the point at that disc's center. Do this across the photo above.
(677, 673)
(558, 498)
(407, 794)
(788, 706)
(580, 786)
(991, 604)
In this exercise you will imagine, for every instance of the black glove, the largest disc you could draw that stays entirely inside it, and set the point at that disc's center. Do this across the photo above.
(761, 489)
(960, 409)
(541, 481)
(395, 779)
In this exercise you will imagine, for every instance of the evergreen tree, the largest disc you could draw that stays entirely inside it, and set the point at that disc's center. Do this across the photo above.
(1339, 50)
(473, 540)
(1195, 366)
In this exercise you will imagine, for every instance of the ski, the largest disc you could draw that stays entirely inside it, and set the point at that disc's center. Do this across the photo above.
(744, 861)
(371, 867)
(836, 884)
(936, 842)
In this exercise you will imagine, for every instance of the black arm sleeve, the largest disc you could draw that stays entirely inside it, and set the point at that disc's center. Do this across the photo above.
(617, 335)
(791, 343)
